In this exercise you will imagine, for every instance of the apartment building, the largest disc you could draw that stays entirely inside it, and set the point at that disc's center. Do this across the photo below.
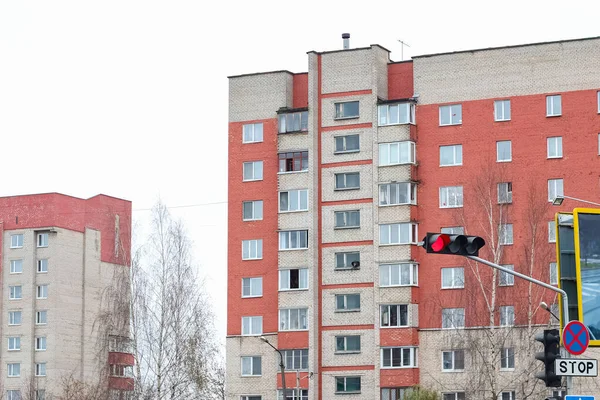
(337, 173)
(63, 258)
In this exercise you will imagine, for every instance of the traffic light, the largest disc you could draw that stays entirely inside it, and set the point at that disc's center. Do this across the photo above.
(460, 245)
(550, 338)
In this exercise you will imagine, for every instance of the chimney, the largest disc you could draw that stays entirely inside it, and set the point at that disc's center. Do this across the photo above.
(346, 39)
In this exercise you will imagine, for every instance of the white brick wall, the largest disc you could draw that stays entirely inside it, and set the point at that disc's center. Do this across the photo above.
(259, 96)
(366, 183)
(345, 71)
(394, 133)
(363, 317)
(336, 235)
(364, 274)
(367, 110)
(368, 349)
(369, 384)
(328, 143)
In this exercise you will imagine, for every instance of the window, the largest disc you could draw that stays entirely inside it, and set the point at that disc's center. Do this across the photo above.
(251, 326)
(252, 287)
(293, 319)
(398, 357)
(252, 249)
(345, 260)
(41, 317)
(347, 384)
(453, 318)
(42, 240)
(507, 358)
(553, 106)
(402, 233)
(453, 278)
(117, 370)
(13, 395)
(551, 232)
(398, 274)
(454, 396)
(553, 273)
(505, 193)
(40, 343)
(246, 397)
(40, 394)
(42, 266)
(253, 171)
(507, 315)
(347, 181)
(505, 232)
(502, 110)
(16, 241)
(555, 189)
(16, 266)
(293, 200)
(293, 240)
(293, 161)
(399, 113)
(293, 394)
(453, 230)
(347, 219)
(554, 147)
(347, 302)
(14, 318)
(395, 393)
(451, 155)
(451, 115)
(15, 292)
(347, 144)
(253, 210)
(506, 279)
(14, 343)
(296, 360)
(396, 153)
(293, 122)
(14, 369)
(347, 109)
(42, 291)
(293, 279)
(503, 151)
(453, 360)
(451, 196)
(251, 366)
(394, 315)
(507, 396)
(397, 193)
(40, 369)
(253, 133)
(558, 393)
(347, 344)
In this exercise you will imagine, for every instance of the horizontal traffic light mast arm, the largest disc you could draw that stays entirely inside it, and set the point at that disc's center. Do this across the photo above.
(540, 283)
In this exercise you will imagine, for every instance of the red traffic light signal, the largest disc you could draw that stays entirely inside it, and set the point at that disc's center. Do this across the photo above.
(460, 245)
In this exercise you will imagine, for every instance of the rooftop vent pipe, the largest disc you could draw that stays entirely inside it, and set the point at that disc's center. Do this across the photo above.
(346, 39)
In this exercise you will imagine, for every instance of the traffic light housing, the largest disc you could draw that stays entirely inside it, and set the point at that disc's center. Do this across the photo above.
(550, 338)
(460, 245)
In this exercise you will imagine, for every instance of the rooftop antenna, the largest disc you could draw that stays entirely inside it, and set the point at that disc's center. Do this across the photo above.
(402, 49)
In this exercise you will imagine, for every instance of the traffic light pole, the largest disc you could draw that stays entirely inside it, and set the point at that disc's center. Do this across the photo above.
(563, 294)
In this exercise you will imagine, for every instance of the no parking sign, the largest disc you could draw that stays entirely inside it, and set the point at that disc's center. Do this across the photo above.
(576, 338)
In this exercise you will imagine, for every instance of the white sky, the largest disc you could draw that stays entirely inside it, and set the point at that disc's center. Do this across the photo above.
(129, 97)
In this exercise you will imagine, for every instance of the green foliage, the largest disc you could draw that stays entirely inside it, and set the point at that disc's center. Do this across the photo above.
(419, 393)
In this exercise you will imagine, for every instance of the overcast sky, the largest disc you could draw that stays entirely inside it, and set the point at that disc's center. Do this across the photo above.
(129, 98)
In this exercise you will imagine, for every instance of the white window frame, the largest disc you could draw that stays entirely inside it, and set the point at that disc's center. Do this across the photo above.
(453, 360)
(286, 313)
(412, 357)
(257, 207)
(413, 233)
(344, 143)
(453, 110)
(388, 112)
(344, 339)
(41, 317)
(302, 279)
(386, 310)
(507, 315)
(505, 357)
(13, 394)
(554, 147)
(457, 277)
(298, 194)
(293, 394)
(345, 175)
(555, 188)
(282, 122)
(252, 366)
(254, 135)
(339, 110)
(291, 355)
(41, 292)
(13, 370)
(14, 343)
(248, 324)
(551, 232)
(12, 317)
(506, 234)
(553, 273)
(250, 397)
(42, 266)
(13, 291)
(387, 198)
(389, 274)
(14, 264)
(502, 110)
(347, 264)
(298, 233)
(397, 153)
(254, 165)
(451, 197)
(506, 279)
(16, 241)
(504, 193)
(511, 395)
(345, 306)
(453, 230)
(40, 369)
(347, 216)
(42, 239)
(455, 396)
(40, 343)
(345, 378)
(455, 317)
(498, 152)
(457, 155)
(40, 394)
(250, 286)
(552, 108)
(255, 245)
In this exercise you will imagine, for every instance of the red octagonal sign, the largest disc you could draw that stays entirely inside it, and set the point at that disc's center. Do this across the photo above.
(575, 337)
